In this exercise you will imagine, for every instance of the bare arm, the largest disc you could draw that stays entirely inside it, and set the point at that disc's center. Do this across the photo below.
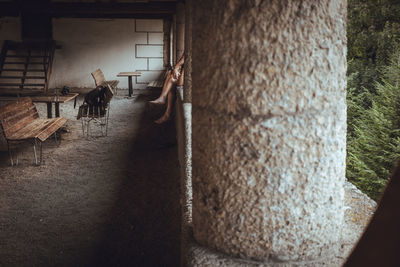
(180, 62)
(178, 66)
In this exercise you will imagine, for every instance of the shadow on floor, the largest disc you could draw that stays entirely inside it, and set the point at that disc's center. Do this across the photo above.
(145, 226)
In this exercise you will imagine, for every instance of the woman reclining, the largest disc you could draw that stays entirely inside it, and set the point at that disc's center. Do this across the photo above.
(174, 78)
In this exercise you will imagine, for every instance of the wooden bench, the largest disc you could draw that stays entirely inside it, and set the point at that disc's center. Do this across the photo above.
(20, 121)
(99, 79)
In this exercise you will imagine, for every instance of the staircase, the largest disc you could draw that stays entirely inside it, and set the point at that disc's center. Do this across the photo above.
(25, 67)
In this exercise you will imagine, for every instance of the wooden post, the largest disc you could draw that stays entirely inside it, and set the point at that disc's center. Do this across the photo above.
(49, 111)
(130, 85)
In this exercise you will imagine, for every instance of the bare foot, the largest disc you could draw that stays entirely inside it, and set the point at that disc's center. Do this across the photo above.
(163, 119)
(159, 101)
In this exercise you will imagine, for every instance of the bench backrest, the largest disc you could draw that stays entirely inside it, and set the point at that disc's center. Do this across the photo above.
(98, 77)
(16, 115)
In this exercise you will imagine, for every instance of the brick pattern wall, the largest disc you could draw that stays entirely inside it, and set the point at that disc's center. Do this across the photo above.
(149, 51)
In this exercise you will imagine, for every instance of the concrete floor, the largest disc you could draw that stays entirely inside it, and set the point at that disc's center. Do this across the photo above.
(106, 201)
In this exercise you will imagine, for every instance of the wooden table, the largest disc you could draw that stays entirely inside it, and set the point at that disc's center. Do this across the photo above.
(129, 75)
(50, 99)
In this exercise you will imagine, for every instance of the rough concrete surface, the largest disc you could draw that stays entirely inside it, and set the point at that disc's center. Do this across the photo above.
(359, 210)
(269, 127)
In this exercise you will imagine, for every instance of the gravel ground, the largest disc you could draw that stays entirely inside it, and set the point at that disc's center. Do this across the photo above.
(105, 201)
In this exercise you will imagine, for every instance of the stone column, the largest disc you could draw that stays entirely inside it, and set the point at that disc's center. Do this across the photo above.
(180, 30)
(269, 127)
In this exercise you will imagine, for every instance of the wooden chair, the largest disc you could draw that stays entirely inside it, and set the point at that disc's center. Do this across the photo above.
(99, 79)
(97, 113)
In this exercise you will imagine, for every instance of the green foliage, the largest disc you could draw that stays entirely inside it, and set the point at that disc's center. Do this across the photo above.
(373, 34)
(373, 137)
(373, 101)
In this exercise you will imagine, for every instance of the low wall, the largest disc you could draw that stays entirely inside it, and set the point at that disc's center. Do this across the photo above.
(183, 122)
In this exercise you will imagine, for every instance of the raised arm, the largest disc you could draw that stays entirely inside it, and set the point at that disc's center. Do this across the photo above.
(180, 61)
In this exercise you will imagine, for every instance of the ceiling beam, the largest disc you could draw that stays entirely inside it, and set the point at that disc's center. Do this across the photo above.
(90, 10)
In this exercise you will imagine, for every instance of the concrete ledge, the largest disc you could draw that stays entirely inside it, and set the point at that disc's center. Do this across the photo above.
(183, 122)
(359, 209)
(199, 256)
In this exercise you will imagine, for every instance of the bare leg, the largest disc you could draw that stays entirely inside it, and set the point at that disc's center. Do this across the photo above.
(167, 114)
(168, 84)
(171, 99)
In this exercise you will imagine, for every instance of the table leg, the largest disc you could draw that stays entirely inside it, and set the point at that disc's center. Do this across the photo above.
(49, 112)
(130, 85)
(57, 109)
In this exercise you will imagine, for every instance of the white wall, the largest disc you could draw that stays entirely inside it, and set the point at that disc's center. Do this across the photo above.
(113, 45)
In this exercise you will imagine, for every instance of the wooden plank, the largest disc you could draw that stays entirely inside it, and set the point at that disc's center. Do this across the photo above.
(29, 131)
(8, 98)
(23, 63)
(32, 130)
(20, 77)
(19, 84)
(27, 45)
(25, 56)
(15, 115)
(98, 77)
(126, 74)
(18, 126)
(28, 70)
(53, 99)
(18, 123)
(48, 98)
(25, 91)
(14, 105)
(39, 128)
(19, 92)
(56, 124)
(9, 62)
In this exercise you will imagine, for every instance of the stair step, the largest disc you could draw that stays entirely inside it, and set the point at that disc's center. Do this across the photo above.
(25, 91)
(25, 56)
(22, 70)
(28, 47)
(26, 65)
(22, 84)
(23, 63)
(21, 77)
